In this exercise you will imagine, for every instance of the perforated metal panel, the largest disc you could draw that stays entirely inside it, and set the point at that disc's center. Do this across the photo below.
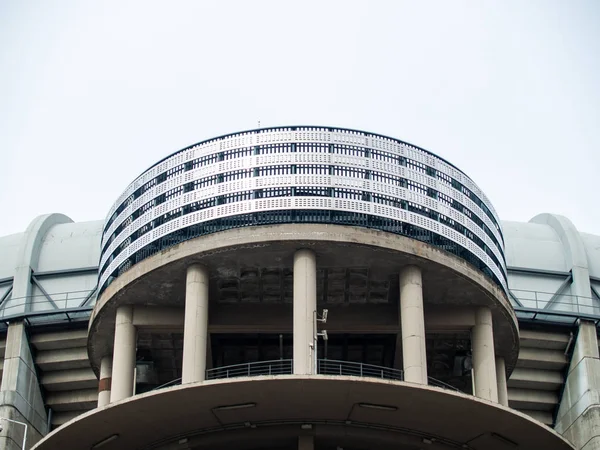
(310, 174)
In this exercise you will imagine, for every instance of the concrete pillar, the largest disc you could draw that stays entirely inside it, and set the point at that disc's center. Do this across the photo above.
(305, 304)
(484, 359)
(306, 442)
(105, 381)
(123, 367)
(20, 396)
(196, 324)
(501, 377)
(578, 417)
(414, 356)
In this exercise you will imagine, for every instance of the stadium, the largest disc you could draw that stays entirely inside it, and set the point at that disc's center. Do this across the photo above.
(300, 287)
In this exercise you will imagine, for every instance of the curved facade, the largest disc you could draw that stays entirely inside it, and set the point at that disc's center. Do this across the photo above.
(300, 287)
(302, 175)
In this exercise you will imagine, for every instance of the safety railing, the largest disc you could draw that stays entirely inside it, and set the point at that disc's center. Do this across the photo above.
(553, 302)
(437, 383)
(252, 369)
(324, 367)
(355, 369)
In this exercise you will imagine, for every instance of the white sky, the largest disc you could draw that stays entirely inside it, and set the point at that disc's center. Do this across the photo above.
(93, 93)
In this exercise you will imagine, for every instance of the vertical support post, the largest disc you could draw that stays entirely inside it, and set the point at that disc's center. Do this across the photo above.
(501, 377)
(195, 333)
(105, 381)
(305, 304)
(578, 419)
(484, 360)
(412, 319)
(123, 355)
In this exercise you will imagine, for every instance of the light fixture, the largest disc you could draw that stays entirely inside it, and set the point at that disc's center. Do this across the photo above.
(231, 407)
(382, 407)
(306, 426)
(427, 441)
(105, 441)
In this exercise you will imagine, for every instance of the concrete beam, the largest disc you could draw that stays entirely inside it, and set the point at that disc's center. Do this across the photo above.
(61, 417)
(59, 340)
(63, 380)
(544, 339)
(535, 358)
(543, 380)
(532, 400)
(545, 417)
(158, 317)
(63, 359)
(79, 400)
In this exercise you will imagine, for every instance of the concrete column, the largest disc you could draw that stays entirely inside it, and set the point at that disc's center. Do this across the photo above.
(20, 396)
(306, 442)
(105, 381)
(123, 367)
(578, 417)
(196, 324)
(484, 359)
(412, 321)
(501, 377)
(305, 304)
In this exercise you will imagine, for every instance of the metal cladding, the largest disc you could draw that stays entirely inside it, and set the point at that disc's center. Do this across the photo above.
(302, 174)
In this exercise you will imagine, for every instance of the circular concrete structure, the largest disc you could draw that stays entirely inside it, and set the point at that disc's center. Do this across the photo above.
(302, 174)
(303, 252)
(273, 412)
(160, 279)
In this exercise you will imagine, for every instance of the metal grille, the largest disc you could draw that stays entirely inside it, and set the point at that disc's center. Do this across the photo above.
(303, 169)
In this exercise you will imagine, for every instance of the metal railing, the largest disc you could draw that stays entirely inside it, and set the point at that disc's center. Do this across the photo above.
(553, 302)
(252, 369)
(324, 367)
(437, 383)
(354, 369)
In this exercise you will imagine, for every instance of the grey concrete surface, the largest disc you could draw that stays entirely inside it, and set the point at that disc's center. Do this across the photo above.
(156, 418)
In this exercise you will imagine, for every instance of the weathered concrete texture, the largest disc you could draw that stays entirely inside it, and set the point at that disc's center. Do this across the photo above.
(104, 384)
(501, 378)
(453, 417)
(123, 366)
(529, 399)
(80, 400)
(413, 325)
(547, 380)
(11, 437)
(20, 395)
(535, 358)
(305, 305)
(535, 385)
(63, 359)
(578, 416)
(66, 380)
(446, 279)
(484, 359)
(59, 340)
(544, 339)
(196, 324)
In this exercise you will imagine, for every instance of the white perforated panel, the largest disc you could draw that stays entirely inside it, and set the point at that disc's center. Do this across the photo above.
(326, 150)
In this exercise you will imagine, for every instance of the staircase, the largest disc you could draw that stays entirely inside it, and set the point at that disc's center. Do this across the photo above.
(70, 386)
(535, 386)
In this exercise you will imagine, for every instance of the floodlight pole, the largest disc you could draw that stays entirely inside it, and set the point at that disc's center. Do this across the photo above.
(20, 423)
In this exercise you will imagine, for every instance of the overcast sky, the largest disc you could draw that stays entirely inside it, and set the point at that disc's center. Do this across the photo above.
(93, 93)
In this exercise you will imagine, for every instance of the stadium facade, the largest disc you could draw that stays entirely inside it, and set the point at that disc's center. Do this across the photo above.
(300, 288)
